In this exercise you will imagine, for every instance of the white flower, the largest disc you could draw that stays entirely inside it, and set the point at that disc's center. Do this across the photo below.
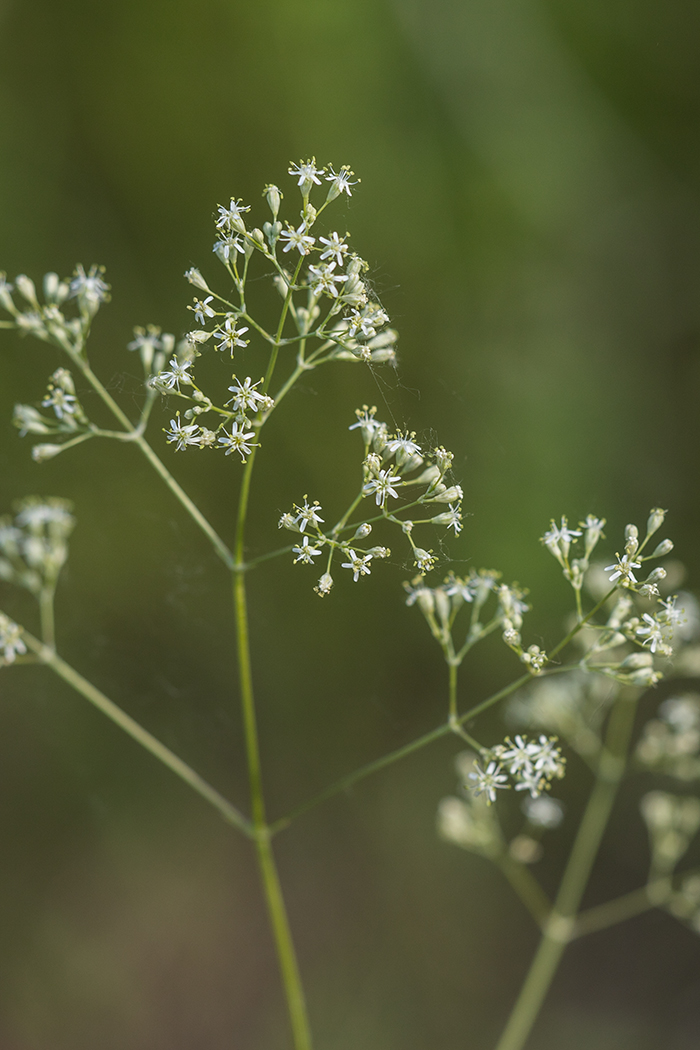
(366, 321)
(532, 781)
(382, 486)
(366, 423)
(288, 521)
(488, 781)
(669, 614)
(182, 436)
(452, 519)
(222, 249)
(238, 441)
(228, 336)
(11, 643)
(298, 239)
(202, 310)
(61, 402)
(547, 757)
(335, 247)
(654, 635)
(306, 553)
(457, 587)
(245, 396)
(179, 373)
(358, 563)
(146, 338)
(518, 756)
(230, 218)
(623, 570)
(403, 447)
(423, 560)
(89, 287)
(307, 172)
(308, 515)
(324, 279)
(341, 181)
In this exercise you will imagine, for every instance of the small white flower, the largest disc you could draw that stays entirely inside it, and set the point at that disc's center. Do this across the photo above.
(622, 571)
(323, 279)
(358, 563)
(11, 644)
(62, 403)
(245, 396)
(653, 635)
(298, 238)
(382, 486)
(230, 218)
(341, 181)
(547, 758)
(335, 248)
(518, 755)
(325, 585)
(179, 373)
(308, 515)
(238, 441)
(182, 436)
(228, 336)
(89, 287)
(306, 553)
(423, 560)
(223, 248)
(452, 519)
(307, 172)
(202, 310)
(488, 781)
(532, 781)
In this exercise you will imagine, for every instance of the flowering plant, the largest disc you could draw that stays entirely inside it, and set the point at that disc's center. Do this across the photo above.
(618, 643)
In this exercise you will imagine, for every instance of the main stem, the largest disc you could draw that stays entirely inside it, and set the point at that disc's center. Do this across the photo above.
(277, 912)
(560, 926)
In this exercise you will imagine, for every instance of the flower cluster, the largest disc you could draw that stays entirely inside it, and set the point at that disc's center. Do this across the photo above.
(34, 545)
(394, 467)
(530, 764)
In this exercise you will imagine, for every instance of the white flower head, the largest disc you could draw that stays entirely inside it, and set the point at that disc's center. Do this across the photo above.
(307, 174)
(340, 183)
(359, 564)
(306, 553)
(238, 441)
(488, 781)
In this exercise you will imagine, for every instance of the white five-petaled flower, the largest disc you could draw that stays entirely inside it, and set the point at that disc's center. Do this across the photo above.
(61, 402)
(547, 757)
(519, 755)
(228, 337)
(403, 447)
(531, 780)
(455, 586)
(89, 286)
(224, 248)
(238, 440)
(359, 564)
(298, 238)
(558, 539)
(654, 635)
(245, 396)
(179, 373)
(308, 515)
(451, 518)
(306, 553)
(335, 247)
(623, 570)
(488, 781)
(382, 486)
(306, 172)
(366, 321)
(323, 279)
(670, 614)
(231, 217)
(341, 181)
(182, 436)
(202, 310)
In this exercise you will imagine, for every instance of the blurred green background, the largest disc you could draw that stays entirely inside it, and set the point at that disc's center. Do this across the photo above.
(530, 210)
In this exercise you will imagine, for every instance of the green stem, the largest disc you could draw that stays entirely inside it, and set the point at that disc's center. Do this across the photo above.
(527, 888)
(194, 512)
(48, 657)
(46, 613)
(625, 907)
(561, 923)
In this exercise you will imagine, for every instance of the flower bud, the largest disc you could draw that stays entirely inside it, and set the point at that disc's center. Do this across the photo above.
(194, 277)
(443, 605)
(362, 531)
(655, 520)
(26, 286)
(665, 547)
(42, 452)
(379, 552)
(429, 475)
(659, 573)
(324, 585)
(450, 495)
(273, 196)
(635, 661)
